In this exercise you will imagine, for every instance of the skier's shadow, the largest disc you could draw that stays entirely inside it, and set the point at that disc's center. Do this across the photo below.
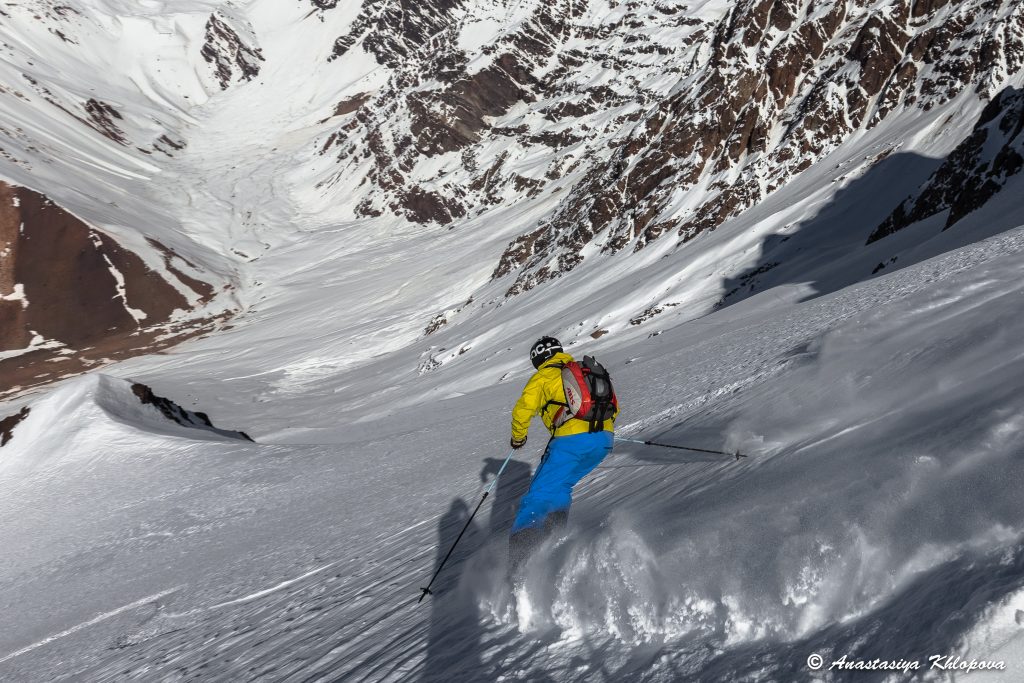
(511, 486)
(453, 644)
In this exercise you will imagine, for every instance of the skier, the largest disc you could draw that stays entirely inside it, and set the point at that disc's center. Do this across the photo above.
(573, 451)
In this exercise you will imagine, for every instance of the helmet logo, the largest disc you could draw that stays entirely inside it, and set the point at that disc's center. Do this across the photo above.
(543, 349)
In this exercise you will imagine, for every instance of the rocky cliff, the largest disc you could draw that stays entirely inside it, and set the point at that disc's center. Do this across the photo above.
(644, 119)
(562, 132)
(73, 297)
(974, 172)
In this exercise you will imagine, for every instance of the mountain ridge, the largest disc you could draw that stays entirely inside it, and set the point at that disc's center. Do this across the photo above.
(605, 128)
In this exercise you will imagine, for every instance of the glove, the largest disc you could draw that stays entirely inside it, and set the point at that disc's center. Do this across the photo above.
(518, 443)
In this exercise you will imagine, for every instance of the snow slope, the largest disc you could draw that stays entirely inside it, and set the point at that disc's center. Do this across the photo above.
(877, 514)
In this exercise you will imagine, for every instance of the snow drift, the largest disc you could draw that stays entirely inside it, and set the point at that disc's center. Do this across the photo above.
(79, 418)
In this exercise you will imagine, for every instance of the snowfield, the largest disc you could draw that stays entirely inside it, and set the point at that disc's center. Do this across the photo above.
(877, 516)
(876, 390)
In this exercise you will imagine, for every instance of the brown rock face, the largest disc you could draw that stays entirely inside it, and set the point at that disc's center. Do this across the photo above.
(419, 42)
(423, 206)
(395, 31)
(75, 288)
(636, 111)
(229, 55)
(14, 331)
(838, 68)
(103, 117)
(926, 7)
(75, 298)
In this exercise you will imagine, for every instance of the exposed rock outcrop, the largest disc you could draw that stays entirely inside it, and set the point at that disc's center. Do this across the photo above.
(438, 101)
(175, 413)
(637, 109)
(103, 117)
(73, 295)
(973, 173)
(232, 57)
(782, 86)
(8, 424)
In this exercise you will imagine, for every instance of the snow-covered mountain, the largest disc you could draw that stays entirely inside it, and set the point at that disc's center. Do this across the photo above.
(567, 131)
(789, 226)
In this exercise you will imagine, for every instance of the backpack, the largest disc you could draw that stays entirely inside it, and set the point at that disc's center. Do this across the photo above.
(589, 394)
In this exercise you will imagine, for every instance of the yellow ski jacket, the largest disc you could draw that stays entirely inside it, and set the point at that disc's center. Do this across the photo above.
(545, 386)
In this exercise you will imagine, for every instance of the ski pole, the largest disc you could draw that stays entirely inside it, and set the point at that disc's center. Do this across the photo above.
(487, 492)
(737, 454)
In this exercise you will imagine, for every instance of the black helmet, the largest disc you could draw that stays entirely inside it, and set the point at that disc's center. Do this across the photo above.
(543, 349)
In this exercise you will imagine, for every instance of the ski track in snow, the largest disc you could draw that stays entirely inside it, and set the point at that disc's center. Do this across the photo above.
(92, 622)
(272, 589)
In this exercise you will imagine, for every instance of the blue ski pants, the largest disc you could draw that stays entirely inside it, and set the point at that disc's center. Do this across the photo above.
(565, 462)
